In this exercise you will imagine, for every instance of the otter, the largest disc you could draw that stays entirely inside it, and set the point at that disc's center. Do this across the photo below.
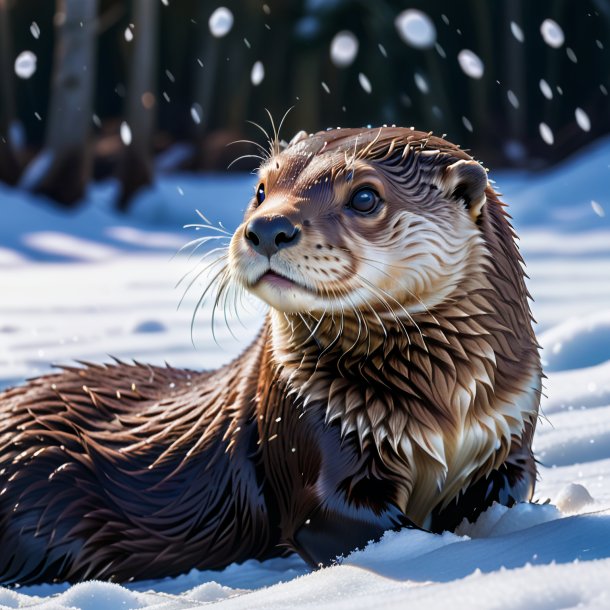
(395, 383)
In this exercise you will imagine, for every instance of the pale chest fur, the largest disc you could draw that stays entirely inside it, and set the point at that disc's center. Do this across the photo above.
(434, 410)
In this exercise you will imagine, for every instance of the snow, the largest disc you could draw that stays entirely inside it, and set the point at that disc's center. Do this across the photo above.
(35, 30)
(196, 112)
(221, 22)
(421, 82)
(258, 73)
(92, 283)
(471, 63)
(516, 31)
(582, 118)
(546, 90)
(343, 49)
(552, 33)
(416, 28)
(512, 98)
(365, 83)
(125, 132)
(598, 208)
(25, 64)
(546, 134)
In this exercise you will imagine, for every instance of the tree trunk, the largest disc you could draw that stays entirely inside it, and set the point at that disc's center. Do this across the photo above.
(10, 128)
(136, 169)
(62, 169)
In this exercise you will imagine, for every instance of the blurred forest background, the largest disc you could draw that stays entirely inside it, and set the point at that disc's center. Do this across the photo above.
(93, 89)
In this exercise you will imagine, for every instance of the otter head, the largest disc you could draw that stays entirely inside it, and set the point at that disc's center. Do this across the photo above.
(384, 219)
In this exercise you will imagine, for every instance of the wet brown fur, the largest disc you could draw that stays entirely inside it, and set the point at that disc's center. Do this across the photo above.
(389, 411)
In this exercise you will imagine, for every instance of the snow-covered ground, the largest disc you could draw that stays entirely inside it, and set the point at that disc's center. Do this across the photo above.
(93, 283)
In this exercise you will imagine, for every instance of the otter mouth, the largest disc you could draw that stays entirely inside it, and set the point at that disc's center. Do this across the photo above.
(279, 281)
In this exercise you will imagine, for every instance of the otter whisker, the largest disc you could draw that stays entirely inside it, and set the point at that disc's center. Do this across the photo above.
(217, 260)
(269, 139)
(401, 268)
(263, 150)
(209, 227)
(221, 294)
(202, 260)
(378, 293)
(250, 156)
(197, 244)
(201, 300)
(406, 312)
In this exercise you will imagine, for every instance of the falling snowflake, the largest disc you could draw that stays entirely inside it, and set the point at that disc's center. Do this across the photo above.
(125, 133)
(416, 28)
(598, 209)
(343, 49)
(546, 134)
(552, 33)
(512, 98)
(582, 118)
(196, 113)
(471, 63)
(25, 64)
(517, 31)
(35, 30)
(546, 89)
(258, 73)
(421, 83)
(221, 22)
(365, 83)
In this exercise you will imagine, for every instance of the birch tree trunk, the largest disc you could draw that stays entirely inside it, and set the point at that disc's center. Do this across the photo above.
(9, 127)
(63, 168)
(136, 169)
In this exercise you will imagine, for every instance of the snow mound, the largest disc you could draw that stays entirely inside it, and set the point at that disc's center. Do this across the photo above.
(500, 520)
(96, 595)
(577, 343)
(573, 498)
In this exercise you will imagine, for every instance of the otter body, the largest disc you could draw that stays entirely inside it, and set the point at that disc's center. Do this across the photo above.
(395, 383)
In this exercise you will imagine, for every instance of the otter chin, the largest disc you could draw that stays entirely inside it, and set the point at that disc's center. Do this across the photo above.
(395, 383)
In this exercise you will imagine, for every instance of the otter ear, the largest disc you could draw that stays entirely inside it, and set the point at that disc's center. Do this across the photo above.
(466, 181)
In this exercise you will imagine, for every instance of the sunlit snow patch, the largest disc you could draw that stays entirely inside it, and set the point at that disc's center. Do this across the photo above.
(573, 498)
(579, 342)
(416, 28)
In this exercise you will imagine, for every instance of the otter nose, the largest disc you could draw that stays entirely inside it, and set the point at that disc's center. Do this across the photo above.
(267, 234)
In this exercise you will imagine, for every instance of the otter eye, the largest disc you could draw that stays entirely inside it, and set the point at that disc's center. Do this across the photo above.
(364, 201)
(260, 193)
